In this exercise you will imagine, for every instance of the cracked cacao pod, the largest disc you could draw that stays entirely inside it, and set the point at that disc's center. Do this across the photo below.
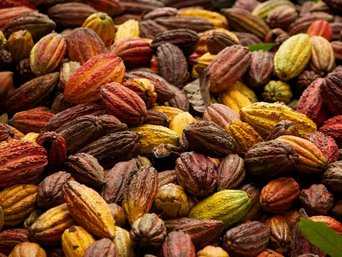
(31, 120)
(264, 116)
(75, 241)
(326, 144)
(278, 195)
(89, 209)
(124, 103)
(101, 248)
(86, 169)
(17, 202)
(84, 85)
(231, 172)
(171, 201)
(50, 190)
(280, 233)
(316, 200)
(332, 127)
(83, 44)
(332, 177)
(202, 232)
(247, 239)
(20, 44)
(21, 162)
(311, 160)
(47, 54)
(48, 227)
(177, 243)
(311, 102)
(139, 193)
(321, 28)
(148, 232)
(196, 173)
(228, 67)
(9, 238)
(332, 92)
(221, 114)
(27, 249)
(322, 56)
(208, 138)
(31, 94)
(271, 159)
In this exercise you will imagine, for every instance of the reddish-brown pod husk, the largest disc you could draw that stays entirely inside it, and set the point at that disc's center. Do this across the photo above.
(321, 28)
(11, 237)
(333, 127)
(332, 92)
(231, 172)
(177, 243)
(10, 13)
(280, 231)
(332, 177)
(101, 248)
(221, 114)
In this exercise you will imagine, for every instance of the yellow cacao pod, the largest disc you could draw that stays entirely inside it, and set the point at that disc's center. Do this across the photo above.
(129, 28)
(180, 121)
(75, 241)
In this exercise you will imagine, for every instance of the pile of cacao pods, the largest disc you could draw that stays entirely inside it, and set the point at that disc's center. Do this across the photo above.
(174, 128)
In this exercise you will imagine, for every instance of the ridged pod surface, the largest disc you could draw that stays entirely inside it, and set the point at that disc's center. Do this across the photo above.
(333, 127)
(177, 243)
(322, 56)
(264, 116)
(84, 85)
(216, 19)
(10, 13)
(75, 241)
(260, 69)
(292, 56)
(128, 29)
(197, 24)
(101, 248)
(21, 162)
(231, 172)
(277, 91)
(221, 114)
(28, 249)
(212, 251)
(9, 238)
(263, 9)
(47, 54)
(123, 243)
(321, 28)
(20, 44)
(88, 208)
(332, 92)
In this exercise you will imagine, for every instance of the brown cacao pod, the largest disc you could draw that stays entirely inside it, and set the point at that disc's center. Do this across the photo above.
(279, 194)
(332, 177)
(11, 237)
(281, 17)
(118, 214)
(27, 249)
(10, 13)
(160, 12)
(231, 172)
(112, 7)
(166, 177)
(221, 114)
(101, 248)
(332, 127)
(217, 41)
(283, 127)
(280, 233)
(20, 44)
(247, 239)
(197, 24)
(196, 173)
(305, 79)
(89, 209)
(50, 190)
(331, 92)
(254, 193)
(21, 162)
(32, 93)
(177, 243)
(150, 29)
(322, 56)
(138, 196)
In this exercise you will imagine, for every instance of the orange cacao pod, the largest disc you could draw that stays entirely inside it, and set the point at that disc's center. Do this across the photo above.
(321, 28)
(27, 249)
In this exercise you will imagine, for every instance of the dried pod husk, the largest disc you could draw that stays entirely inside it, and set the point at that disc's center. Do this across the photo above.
(69, 15)
(326, 144)
(37, 24)
(331, 92)
(281, 17)
(75, 241)
(9, 238)
(217, 41)
(21, 162)
(277, 91)
(196, 173)
(316, 200)
(83, 44)
(185, 39)
(254, 193)
(116, 180)
(260, 69)
(231, 172)
(148, 232)
(172, 64)
(50, 190)
(20, 44)
(322, 56)
(197, 24)
(202, 232)
(101, 248)
(139, 193)
(270, 159)
(280, 233)
(103, 25)
(247, 239)
(332, 177)
(89, 209)
(48, 228)
(85, 169)
(208, 138)
(278, 195)
(171, 201)
(31, 94)
(228, 67)
(118, 214)
(47, 54)
(55, 146)
(27, 248)
(84, 85)
(30, 121)
(70, 114)
(283, 127)
(177, 243)
(17, 203)
(311, 160)
(221, 114)
(135, 52)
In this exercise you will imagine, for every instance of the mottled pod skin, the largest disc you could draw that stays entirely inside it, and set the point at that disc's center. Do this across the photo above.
(280, 233)
(231, 172)
(101, 248)
(177, 243)
(9, 238)
(332, 92)
(47, 54)
(20, 44)
(221, 114)
(332, 127)
(28, 249)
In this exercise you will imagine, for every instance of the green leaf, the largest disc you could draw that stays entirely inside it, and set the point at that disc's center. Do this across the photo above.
(320, 235)
(262, 46)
